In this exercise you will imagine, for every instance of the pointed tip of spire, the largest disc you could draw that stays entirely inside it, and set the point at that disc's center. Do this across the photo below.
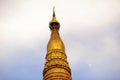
(53, 11)
(54, 21)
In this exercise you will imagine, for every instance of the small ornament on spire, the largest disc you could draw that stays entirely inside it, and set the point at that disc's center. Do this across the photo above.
(54, 23)
(53, 11)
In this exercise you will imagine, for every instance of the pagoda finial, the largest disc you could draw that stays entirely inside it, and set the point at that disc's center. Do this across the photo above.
(54, 23)
(53, 11)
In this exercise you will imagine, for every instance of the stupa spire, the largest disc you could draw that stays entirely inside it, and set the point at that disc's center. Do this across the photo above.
(56, 65)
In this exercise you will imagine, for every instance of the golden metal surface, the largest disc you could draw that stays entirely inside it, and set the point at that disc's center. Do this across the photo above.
(55, 41)
(56, 65)
(54, 20)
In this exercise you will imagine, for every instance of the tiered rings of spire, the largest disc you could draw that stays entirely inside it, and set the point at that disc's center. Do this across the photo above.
(56, 65)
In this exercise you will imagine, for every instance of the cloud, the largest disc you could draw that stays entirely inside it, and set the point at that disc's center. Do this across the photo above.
(98, 51)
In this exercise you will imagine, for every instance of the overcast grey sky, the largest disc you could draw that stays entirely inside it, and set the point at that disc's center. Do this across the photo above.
(90, 30)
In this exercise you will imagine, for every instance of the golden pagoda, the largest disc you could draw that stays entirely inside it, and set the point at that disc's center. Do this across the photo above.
(56, 65)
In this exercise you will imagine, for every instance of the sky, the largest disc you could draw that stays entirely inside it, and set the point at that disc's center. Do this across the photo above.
(90, 30)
